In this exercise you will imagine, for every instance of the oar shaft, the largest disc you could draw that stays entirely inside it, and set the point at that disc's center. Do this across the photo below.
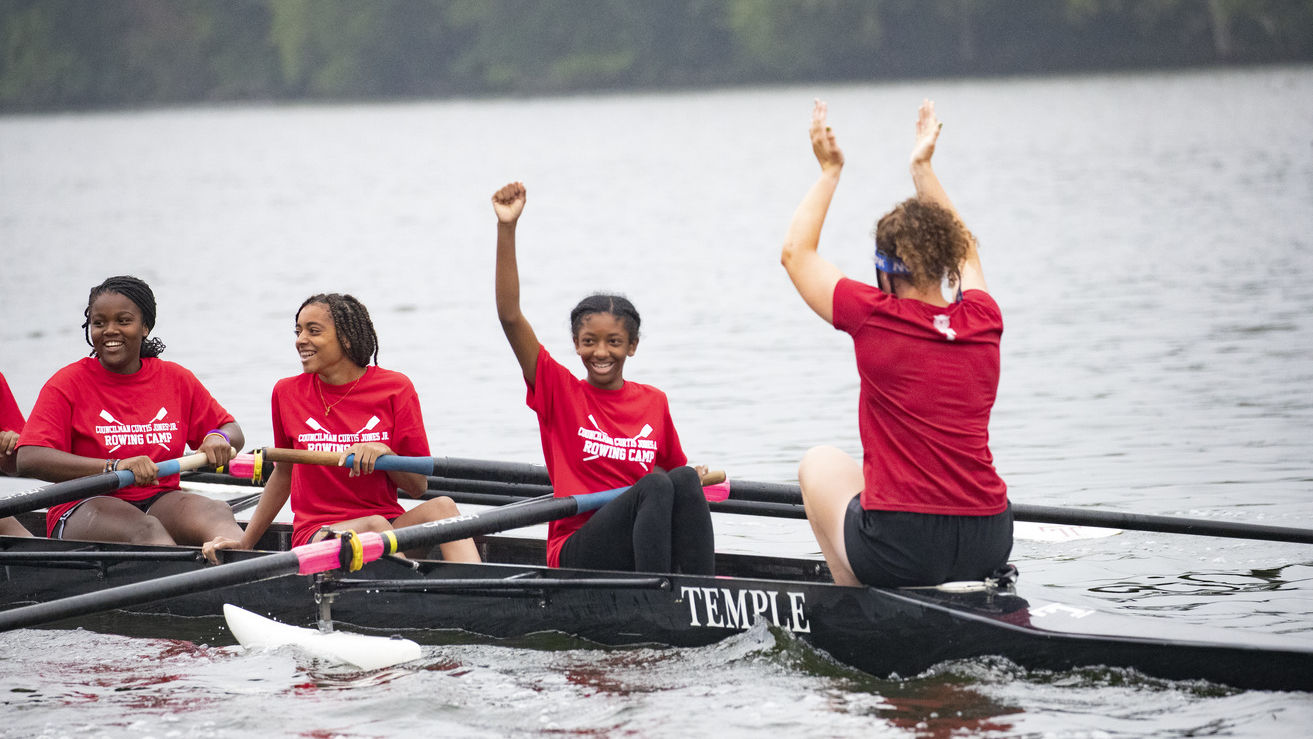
(61, 492)
(1164, 524)
(86, 487)
(760, 492)
(236, 573)
(507, 472)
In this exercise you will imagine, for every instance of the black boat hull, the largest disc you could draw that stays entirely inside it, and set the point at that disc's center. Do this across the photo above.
(883, 632)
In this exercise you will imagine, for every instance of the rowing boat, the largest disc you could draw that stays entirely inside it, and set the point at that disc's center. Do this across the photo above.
(885, 632)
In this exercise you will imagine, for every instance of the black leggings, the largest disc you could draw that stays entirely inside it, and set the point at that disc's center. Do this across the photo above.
(660, 524)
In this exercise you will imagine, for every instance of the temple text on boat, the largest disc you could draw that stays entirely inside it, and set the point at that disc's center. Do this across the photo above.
(741, 608)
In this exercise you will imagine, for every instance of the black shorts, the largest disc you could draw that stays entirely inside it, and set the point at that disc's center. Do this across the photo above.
(900, 548)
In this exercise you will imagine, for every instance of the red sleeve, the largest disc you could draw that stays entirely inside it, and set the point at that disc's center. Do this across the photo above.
(541, 395)
(205, 414)
(852, 303)
(51, 422)
(281, 439)
(408, 423)
(672, 455)
(11, 418)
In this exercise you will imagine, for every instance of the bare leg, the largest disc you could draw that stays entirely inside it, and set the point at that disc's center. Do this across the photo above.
(436, 510)
(111, 519)
(829, 479)
(193, 519)
(10, 526)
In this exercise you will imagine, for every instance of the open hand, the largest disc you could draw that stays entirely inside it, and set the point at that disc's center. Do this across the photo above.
(824, 145)
(927, 132)
(509, 201)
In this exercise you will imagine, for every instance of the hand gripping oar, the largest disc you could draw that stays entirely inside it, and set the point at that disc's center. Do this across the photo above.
(307, 559)
(86, 487)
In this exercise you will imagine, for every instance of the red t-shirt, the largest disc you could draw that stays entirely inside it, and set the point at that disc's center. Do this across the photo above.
(595, 439)
(159, 411)
(11, 418)
(382, 406)
(928, 380)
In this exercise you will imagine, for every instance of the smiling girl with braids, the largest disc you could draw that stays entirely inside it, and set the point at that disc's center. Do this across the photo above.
(603, 433)
(342, 403)
(123, 408)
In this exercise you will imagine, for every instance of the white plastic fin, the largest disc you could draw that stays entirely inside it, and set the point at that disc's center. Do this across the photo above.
(366, 652)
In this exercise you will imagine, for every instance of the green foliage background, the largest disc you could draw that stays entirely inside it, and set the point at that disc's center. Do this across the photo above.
(60, 54)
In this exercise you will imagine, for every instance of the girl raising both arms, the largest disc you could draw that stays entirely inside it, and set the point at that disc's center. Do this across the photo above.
(604, 432)
(925, 505)
(342, 403)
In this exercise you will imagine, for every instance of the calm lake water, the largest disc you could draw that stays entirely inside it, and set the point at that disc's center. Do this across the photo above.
(1147, 236)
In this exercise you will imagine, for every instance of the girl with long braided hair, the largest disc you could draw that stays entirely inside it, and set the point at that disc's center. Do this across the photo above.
(124, 408)
(344, 402)
(604, 432)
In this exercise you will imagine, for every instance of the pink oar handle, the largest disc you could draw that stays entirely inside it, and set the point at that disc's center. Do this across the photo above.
(718, 492)
(322, 556)
(242, 465)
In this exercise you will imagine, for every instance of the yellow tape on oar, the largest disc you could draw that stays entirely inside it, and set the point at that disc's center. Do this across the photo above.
(390, 542)
(351, 556)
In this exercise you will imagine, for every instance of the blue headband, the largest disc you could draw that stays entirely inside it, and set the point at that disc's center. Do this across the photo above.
(890, 265)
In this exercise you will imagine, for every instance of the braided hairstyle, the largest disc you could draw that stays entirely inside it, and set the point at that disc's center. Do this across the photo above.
(141, 295)
(617, 305)
(929, 239)
(355, 329)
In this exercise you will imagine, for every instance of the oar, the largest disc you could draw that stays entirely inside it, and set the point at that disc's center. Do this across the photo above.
(779, 498)
(454, 467)
(306, 559)
(1163, 524)
(779, 493)
(442, 467)
(85, 487)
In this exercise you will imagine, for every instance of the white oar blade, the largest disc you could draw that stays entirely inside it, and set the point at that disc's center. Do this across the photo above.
(366, 652)
(1055, 532)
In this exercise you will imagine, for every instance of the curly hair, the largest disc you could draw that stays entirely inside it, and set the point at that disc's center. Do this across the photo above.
(141, 296)
(617, 305)
(929, 239)
(355, 329)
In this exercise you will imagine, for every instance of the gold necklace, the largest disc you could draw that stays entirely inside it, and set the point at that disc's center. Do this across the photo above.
(328, 409)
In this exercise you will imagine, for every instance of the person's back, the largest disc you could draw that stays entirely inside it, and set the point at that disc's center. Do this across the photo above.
(926, 505)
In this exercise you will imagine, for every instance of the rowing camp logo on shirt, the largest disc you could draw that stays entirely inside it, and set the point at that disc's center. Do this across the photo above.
(600, 445)
(320, 439)
(115, 434)
(941, 325)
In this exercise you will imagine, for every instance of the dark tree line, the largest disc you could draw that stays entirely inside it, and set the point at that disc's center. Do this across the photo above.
(60, 54)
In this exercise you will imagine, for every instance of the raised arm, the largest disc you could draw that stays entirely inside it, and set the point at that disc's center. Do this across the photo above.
(813, 275)
(929, 189)
(508, 202)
